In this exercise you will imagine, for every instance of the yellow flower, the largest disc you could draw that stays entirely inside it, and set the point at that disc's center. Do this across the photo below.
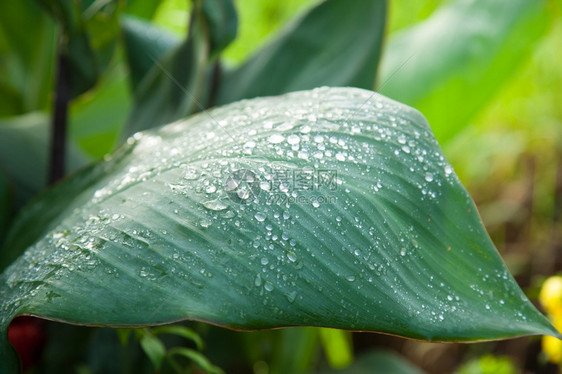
(551, 299)
(551, 296)
(553, 349)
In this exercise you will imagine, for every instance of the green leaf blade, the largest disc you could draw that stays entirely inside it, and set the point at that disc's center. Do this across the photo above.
(336, 43)
(144, 43)
(173, 87)
(459, 58)
(395, 245)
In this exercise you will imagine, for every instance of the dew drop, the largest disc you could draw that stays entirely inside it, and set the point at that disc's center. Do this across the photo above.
(293, 139)
(350, 278)
(191, 174)
(276, 138)
(305, 129)
(303, 155)
(210, 188)
(291, 296)
(402, 139)
(243, 193)
(428, 177)
(260, 216)
(268, 286)
(216, 205)
(292, 256)
(448, 170)
(249, 144)
(264, 261)
(204, 222)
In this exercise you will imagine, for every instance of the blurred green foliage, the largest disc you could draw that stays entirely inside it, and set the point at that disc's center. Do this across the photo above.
(508, 154)
(489, 364)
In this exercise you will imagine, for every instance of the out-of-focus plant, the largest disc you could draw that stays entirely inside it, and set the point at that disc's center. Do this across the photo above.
(551, 299)
(489, 364)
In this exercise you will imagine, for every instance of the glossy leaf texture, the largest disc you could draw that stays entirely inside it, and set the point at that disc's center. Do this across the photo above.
(459, 57)
(333, 207)
(336, 43)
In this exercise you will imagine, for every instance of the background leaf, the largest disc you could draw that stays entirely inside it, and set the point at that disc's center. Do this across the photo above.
(97, 119)
(222, 24)
(28, 172)
(294, 351)
(144, 43)
(154, 349)
(172, 88)
(26, 58)
(392, 243)
(75, 45)
(450, 65)
(378, 361)
(89, 30)
(337, 346)
(144, 9)
(5, 206)
(336, 43)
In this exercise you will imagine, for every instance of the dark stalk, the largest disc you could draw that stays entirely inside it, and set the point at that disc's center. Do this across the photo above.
(59, 119)
(215, 80)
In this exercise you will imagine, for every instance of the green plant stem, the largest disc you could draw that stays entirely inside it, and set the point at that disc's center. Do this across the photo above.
(59, 120)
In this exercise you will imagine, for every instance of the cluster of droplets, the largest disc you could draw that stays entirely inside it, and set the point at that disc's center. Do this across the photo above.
(367, 144)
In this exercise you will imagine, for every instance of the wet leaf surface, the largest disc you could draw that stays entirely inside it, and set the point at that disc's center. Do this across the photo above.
(332, 207)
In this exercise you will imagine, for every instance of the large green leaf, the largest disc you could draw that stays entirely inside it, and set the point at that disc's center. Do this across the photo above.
(215, 218)
(450, 65)
(336, 43)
